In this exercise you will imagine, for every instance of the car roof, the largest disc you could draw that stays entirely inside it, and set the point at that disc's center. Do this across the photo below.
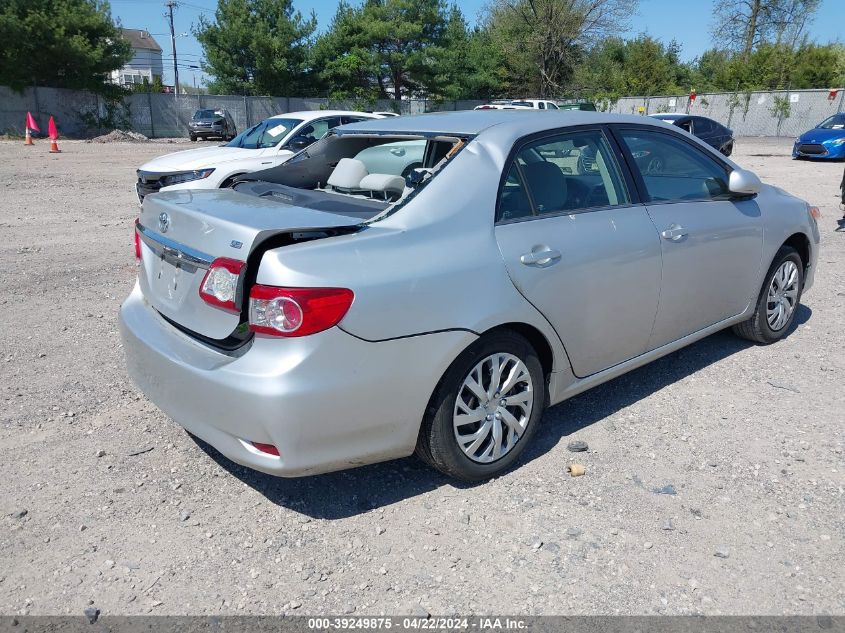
(474, 122)
(309, 115)
(670, 115)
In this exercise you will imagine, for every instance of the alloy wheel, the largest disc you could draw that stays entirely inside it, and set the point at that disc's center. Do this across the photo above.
(783, 295)
(493, 407)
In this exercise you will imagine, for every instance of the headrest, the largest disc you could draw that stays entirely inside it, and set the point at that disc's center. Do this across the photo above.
(382, 183)
(348, 174)
(547, 184)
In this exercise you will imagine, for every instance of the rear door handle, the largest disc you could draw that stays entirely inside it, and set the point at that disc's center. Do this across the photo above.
(541, 256)
(674, 233)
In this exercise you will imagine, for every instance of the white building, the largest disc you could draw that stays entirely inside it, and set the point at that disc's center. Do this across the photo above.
(145, 62)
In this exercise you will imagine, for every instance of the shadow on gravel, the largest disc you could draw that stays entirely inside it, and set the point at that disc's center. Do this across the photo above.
(351, 492)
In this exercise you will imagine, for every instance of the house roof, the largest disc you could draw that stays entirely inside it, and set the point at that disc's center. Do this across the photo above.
(140, 39)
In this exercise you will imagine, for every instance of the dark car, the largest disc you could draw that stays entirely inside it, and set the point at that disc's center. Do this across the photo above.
(711, 132)
(212, 123)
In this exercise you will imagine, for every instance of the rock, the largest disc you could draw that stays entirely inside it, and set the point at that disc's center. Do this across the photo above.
(463, 516)
(552, 548)
(420, 611)
(19, 514)
(185, 516)
(254, 573)
(101, 453)
(295, 604)
(648, 545)
(109, 563)
(574, 532)
(722, 551)
(379, 530)
(614, 531)
(92, 613)
(667, 525)
(577, 446)
(693, 583)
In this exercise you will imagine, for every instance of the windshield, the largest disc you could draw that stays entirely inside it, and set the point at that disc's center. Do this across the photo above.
(266, 134)
(836, 122)
(202, 115)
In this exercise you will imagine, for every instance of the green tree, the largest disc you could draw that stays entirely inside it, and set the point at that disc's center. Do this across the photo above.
(256, 47)
(639, 66)
(543, 41)
(467, 64)
(60, 43)
(388, 49)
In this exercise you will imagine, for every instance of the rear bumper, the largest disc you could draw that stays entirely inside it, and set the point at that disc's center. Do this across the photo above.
(328, 401)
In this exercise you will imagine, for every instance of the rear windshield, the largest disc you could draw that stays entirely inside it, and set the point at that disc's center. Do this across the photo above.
(266, 134)
(525, 104)
(202, 115)
(836, 122)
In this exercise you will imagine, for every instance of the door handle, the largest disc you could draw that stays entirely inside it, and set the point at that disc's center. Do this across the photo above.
(674, 233)
(541, 256)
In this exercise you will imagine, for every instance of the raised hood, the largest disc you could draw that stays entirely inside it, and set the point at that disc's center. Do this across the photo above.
(184, 231)
(199, 158)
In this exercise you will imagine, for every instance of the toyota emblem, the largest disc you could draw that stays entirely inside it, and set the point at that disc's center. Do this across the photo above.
(163, 222)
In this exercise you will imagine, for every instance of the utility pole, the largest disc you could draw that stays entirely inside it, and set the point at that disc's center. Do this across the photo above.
(170, 4)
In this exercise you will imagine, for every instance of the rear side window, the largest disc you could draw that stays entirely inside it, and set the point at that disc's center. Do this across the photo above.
(674, 170)
(703, 127)
(566, 173)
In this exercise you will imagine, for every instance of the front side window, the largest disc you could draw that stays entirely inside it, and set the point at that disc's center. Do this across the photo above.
(673, 170)
(264, 135)
(316, 130)
(552, 106)
(566, 173)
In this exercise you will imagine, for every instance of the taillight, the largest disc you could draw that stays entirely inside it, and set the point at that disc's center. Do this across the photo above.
(219, 287)
(137, 241)
(296, 311)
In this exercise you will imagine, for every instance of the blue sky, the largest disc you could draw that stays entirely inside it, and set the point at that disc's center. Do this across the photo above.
(687, 21)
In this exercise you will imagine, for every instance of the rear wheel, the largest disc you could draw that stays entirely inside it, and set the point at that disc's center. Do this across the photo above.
(485, 410)
(778, 300)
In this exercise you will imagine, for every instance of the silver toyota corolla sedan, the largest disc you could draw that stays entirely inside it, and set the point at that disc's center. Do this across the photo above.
(328, 313)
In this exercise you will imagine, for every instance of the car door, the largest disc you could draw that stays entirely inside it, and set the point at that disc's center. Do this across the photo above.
(712, 241)
(579, 248)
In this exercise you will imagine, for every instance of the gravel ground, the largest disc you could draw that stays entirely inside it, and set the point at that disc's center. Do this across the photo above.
(714, 476)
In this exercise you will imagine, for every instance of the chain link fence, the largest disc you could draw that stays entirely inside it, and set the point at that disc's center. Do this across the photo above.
(777, 113)
(166, 115)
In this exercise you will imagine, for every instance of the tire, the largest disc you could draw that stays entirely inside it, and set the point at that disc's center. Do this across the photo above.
(437, 443)
(759, 328)
(193, 138)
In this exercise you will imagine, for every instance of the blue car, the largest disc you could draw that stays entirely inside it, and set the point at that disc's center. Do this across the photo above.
(826, 140)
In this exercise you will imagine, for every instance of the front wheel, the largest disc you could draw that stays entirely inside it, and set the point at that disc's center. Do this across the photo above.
(778, 300)
(193, 138)
(485, 410)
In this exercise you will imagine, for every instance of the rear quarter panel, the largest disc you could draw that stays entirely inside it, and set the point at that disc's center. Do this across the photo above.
(433, 265)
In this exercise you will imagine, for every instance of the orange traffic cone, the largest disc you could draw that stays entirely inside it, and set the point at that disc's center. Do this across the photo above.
(30, 125)
(54, 136)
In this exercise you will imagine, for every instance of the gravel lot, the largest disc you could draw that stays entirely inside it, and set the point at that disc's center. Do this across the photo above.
(106, 502)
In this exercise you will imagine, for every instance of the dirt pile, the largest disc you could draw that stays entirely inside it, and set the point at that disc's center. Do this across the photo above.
(120, 136)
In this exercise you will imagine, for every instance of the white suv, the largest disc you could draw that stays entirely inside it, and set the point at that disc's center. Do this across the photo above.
(262, 146)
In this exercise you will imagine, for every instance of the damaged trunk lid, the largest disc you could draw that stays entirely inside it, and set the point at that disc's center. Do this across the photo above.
(183, 232)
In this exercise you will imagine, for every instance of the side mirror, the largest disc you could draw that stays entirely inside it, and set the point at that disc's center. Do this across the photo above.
(744, 182)
(298, 143)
